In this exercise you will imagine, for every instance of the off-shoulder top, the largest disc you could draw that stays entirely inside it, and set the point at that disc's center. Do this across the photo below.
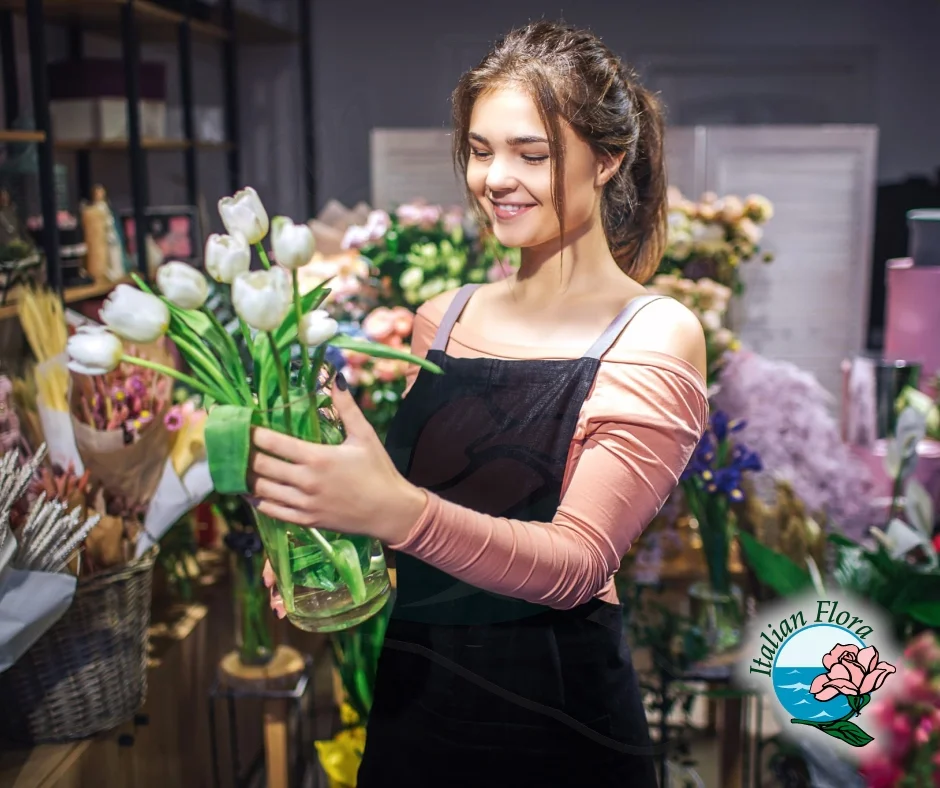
(637, 430)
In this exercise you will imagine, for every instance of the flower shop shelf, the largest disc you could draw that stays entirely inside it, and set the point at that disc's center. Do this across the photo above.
(146, 144)
(72, 295)
(16, 135)
(156, 22)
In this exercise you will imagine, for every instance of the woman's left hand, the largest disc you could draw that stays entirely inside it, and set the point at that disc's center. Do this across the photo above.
(350, 488)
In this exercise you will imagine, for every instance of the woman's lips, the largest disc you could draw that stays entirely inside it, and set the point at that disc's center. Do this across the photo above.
(505, 211)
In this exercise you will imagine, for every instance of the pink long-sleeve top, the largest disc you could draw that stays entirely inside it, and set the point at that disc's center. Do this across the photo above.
(636, 432)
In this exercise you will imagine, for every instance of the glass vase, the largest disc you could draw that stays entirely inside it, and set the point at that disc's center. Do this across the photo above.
(252, 631)
(328, 581)
(718, 616)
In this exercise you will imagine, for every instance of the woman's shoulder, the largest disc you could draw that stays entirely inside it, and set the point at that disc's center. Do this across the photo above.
(434, 308)
(664, 330)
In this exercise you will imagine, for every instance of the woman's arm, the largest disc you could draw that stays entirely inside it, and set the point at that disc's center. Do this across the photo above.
(624, 474)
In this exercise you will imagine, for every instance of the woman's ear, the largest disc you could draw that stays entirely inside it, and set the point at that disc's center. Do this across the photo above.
(607, 166)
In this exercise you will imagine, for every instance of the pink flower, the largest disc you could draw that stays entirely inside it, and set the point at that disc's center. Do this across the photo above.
(881, 773)
(388, 370)
(379, 324)
(922, 734)
(916, 686)
(883, 712)
(355, 359)
(418, 214)
(174, 418)
(850, 672)
(403, 321)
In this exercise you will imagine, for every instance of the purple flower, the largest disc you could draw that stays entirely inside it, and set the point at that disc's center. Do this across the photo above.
(719, 463)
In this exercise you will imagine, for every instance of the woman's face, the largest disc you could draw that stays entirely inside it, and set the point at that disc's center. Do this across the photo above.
(510, 174)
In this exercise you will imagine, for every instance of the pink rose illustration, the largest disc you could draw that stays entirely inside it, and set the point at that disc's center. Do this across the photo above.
(851, 672)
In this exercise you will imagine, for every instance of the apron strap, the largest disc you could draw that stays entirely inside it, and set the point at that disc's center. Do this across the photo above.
(451, 316)
(615, 329)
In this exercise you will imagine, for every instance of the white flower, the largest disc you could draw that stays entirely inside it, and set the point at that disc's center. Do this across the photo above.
(750, 231)
(227, 256)
(263, 298)
(182, 285)
(244, 214)
(317, 327)
(411, 279)
(711, 320)
(135, 315)
(93, 350)
(293, 244)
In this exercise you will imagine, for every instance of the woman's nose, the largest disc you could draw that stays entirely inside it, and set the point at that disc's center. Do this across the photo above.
(500, 176)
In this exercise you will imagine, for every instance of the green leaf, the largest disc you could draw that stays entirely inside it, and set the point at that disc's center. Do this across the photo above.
(842, 541)
(773, 569)
(346, 559)
(848, 732)
(916, 589)
(926, 612)
(858, 702)
(378, 350)
(228, 442)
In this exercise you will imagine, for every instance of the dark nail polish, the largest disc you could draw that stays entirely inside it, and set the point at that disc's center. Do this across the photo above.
(341, 382)
(253, 501)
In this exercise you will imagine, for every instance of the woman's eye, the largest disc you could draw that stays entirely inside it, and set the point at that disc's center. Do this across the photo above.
(532, 159)
(480, 155)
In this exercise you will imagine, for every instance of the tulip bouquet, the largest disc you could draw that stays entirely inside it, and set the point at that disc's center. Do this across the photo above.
(713, 237)
(328, 582)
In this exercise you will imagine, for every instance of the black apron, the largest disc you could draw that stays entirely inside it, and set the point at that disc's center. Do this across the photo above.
(479, 689)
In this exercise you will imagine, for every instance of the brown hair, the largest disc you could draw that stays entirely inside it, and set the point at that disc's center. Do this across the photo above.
(572, 75)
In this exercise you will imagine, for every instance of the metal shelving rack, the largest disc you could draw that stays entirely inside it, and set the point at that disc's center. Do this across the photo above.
(129, 20)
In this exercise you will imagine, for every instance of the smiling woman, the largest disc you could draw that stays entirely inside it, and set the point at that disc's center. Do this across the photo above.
(512, 485)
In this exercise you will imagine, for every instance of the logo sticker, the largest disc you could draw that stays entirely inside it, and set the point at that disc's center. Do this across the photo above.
(821, 659)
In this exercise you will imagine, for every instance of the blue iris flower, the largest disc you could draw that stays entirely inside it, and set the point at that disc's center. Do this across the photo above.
(717, 463)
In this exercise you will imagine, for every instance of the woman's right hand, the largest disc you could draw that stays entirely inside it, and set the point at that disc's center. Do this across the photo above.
(270, 581)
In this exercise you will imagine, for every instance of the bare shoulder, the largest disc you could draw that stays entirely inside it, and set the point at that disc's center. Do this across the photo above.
(434, 308)
(667, 326)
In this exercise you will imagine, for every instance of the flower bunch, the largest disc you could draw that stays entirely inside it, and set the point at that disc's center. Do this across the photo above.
(790, 425)
(713, 237)
(422, 250)
(909, 720)
(268, 388)
(380, 382)
(711, 482)
(709, 301)
(126, 398)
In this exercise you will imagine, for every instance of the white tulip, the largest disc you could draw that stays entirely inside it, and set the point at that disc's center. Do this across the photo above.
(182, 285)
(227, 256)
(263, 298)
(244, 214)
(293, 244)
(317, 327)
(93, 350)
(135, 315)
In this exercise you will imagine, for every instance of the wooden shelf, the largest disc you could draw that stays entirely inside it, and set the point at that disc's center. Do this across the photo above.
(14, 135)
(156, 23)
(145, 144)
(72, 295)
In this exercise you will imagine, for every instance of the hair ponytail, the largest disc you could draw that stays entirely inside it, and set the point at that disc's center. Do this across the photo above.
(635, 204)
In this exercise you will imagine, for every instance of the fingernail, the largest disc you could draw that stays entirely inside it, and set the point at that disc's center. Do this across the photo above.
(253, 501)
(341, 382)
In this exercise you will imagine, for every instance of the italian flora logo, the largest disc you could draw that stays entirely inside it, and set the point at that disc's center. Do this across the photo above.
(822, 668)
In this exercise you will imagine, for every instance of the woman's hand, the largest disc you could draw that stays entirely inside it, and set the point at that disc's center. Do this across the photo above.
(270, 582)
(351, 488)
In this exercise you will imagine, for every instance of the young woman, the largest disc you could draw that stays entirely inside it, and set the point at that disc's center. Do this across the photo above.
(512, 485)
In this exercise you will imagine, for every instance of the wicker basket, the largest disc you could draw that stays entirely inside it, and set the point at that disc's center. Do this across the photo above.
(88, 672)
